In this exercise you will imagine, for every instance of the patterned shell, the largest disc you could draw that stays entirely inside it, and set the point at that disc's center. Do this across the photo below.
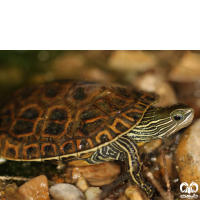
(66, 117)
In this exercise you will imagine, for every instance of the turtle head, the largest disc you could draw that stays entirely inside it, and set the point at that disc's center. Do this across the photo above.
(171, 119)
(162, 122)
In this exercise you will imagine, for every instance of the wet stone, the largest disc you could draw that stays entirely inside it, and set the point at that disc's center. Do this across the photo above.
(10, 189)
(187, 70)
(36, 188)
(96, 175)
(134, 193)
(122, 197)
(93, 193)
(82, 184)
(131, 61)
(64, 191)
(188, 155)
(59, 180)
(149, 82)
(3, 196)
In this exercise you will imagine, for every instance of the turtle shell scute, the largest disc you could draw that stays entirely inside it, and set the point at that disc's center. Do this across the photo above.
(65, 117)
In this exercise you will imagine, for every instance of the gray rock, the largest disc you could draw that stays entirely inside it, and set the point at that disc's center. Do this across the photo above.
(93, 193)
(64, 191)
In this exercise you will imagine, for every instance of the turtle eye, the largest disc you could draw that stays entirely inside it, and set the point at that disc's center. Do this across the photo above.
(178, 117)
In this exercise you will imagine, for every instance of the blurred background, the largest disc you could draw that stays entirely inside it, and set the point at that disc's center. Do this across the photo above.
(173, 75)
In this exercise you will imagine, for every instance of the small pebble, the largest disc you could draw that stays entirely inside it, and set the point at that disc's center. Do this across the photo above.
(64, 191)
(153, 83)
(59, 180)
(93, 193)
(121, 195)
(82, 184)
(10, 189)
(122, 198)
(187, 70)
(36, 188)
(134, 193)
(131, 61)
(98, 175)
(3, 196)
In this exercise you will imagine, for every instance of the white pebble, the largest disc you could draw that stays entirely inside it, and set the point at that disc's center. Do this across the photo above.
(64, 191)
(82, 184)
(93, 193)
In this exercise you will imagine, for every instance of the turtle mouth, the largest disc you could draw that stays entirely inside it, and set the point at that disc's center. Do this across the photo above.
(189, 115)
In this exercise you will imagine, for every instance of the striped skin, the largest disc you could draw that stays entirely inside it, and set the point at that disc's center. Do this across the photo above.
(162, 122)
(124, 149)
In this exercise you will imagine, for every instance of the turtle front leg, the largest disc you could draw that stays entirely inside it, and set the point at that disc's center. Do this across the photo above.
(124, 149)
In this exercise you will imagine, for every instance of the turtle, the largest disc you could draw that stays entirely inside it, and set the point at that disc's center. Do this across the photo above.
(80, 123)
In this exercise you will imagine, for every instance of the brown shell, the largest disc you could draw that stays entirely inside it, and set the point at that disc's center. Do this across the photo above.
(66, 117)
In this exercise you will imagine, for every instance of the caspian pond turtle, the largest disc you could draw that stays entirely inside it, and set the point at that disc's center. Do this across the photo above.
(80, 123)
